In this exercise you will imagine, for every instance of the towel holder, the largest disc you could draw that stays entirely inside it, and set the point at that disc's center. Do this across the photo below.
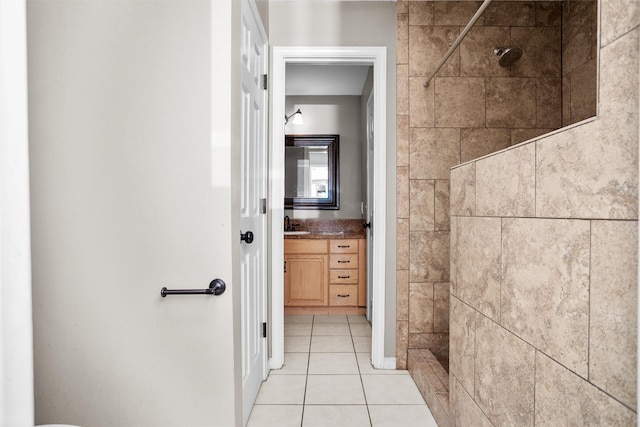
(216, 287)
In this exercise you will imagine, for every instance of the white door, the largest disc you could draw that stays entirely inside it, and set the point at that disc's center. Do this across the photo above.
(139, 196)
(253, 218)
(369, 205)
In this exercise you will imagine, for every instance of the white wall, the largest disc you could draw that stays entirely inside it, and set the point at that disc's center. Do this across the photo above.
(263, 9)
(16, 346)
(333, 115)
(354, 23)
(134, 140)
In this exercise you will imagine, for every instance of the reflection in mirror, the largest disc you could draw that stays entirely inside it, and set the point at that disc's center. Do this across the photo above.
(311, 172)
(307, 170)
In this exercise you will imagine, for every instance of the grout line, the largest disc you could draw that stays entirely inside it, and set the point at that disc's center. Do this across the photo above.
(475, 352)
(589, 301)
(502, 266)
(475, 189)
(535, 373)
(306, 378)
(535, 179)
(364, 395)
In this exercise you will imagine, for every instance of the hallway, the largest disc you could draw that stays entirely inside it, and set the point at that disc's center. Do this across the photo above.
(328, 380)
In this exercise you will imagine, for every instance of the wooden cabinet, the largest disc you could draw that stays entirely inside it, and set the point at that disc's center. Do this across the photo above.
(325, 273)
(343, 274)
(305, 280)
(306, 277)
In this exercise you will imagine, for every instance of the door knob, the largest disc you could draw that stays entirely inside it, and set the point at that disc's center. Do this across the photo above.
(246, 237)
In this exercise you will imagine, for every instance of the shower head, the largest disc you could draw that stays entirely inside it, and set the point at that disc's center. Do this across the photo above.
(508, 55)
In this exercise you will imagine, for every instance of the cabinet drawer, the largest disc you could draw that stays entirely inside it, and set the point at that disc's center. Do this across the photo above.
(344, 246)
(343, 295)
(343, 276)
(343, 261)
(305, 246)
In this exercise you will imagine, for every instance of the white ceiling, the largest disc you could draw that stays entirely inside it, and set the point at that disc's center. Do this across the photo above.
(320, 80)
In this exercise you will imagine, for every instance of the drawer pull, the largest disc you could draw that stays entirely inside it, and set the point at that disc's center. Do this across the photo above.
(344, 261)
(344, 246)
(343, 296)
(343, 277)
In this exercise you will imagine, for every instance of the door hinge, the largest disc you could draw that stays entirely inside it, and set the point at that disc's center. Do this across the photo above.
(285, 266)
(263, 203)
(265, 80)
(264, 329)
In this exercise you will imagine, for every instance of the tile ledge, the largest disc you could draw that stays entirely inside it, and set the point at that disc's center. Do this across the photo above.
(422, 360)
(530, 141)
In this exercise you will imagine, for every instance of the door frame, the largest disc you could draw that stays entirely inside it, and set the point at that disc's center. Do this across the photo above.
(16, 324)
(370, 196)
(375, 56)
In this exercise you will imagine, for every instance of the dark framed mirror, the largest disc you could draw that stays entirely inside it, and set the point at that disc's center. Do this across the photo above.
(311, 172)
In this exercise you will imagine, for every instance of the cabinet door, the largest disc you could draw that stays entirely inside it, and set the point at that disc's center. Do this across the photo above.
(306, 281)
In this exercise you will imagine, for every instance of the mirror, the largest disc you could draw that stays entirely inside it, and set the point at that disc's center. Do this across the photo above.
(311, 172)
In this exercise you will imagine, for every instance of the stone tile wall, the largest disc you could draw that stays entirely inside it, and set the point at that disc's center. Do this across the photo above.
(473, 107)
(579, 60)
(544, 263)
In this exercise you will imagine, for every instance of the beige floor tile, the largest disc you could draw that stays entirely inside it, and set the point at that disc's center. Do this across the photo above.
(333, 364)
(336, 415)
(297, 344)
(362, 344)
(282, 390)
(275, 416)
(298, 318)
(331, 344)
(360, 330)
(357, 318)
(334, 390)
(366, 368)
(297, 329)
(332, 381)
(294, 364)
(401, 415)
(391, 390)
(329, 318)
(331, 329)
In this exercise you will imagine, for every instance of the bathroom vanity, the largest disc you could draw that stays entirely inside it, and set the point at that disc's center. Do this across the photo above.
(325, 270)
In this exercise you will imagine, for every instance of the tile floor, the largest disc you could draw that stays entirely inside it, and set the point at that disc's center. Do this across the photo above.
(328, 381)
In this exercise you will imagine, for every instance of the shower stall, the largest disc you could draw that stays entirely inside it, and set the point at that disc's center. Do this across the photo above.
(473, 78)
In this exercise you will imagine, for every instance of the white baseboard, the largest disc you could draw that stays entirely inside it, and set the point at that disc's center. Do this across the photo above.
(389, 363)
(275, 364)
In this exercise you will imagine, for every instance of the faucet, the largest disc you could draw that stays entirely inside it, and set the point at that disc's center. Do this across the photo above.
(287, 223)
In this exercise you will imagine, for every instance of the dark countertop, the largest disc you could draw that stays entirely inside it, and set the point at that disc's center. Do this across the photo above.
(327, 235)
(327, 229)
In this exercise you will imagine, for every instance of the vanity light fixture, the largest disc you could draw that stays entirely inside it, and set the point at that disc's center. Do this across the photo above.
(297, 118)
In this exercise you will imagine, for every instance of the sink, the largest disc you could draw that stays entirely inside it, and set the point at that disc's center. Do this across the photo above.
(296, 233)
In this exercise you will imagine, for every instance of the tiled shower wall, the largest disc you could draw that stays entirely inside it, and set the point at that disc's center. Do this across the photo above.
(471, 108)
(579, 60)
(544, 263)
